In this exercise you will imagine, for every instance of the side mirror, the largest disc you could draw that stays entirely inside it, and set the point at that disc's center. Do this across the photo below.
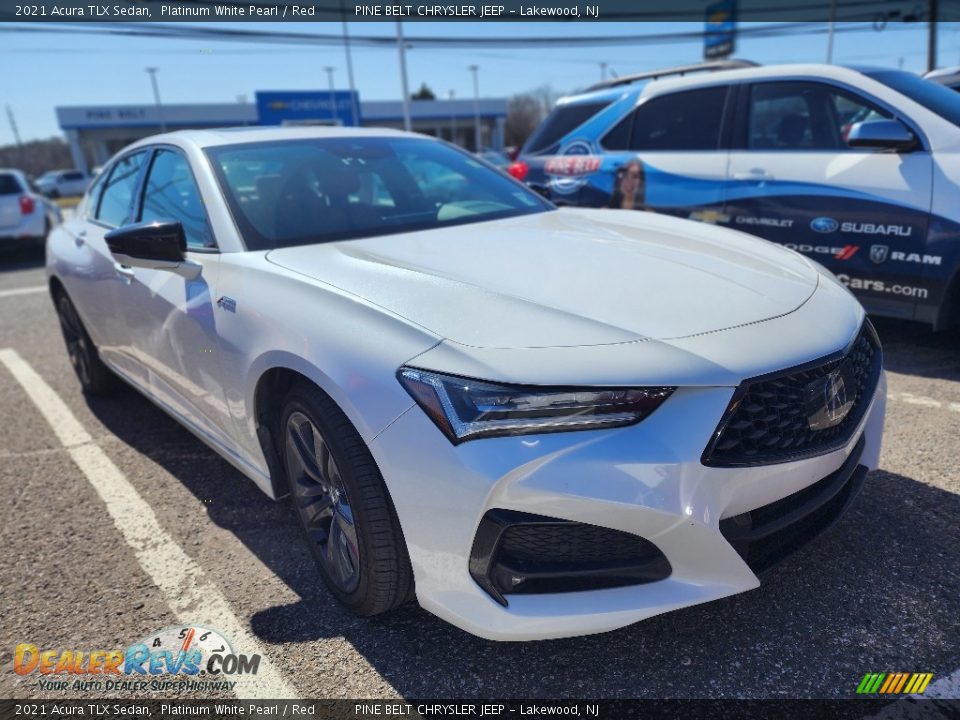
(156, 245)
(883, 134)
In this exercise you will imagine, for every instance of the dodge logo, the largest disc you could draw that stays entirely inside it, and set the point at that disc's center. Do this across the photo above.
(878, 253)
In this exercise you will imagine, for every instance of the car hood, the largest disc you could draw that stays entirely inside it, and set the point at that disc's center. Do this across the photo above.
(570, 277)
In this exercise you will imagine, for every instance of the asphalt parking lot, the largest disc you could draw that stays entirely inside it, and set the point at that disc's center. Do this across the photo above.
(880, 592)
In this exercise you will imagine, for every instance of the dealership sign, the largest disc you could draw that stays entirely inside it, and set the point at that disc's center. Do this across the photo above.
(720, 30)
(308, 107)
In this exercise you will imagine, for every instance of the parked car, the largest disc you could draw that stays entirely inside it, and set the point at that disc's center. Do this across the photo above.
(542, 422)
(949, 76)
(63, 183)
(25, 215)
(853, 167)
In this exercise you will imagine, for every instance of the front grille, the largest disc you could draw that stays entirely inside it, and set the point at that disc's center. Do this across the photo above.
(765, 536)
(768, 420)
(519, 553)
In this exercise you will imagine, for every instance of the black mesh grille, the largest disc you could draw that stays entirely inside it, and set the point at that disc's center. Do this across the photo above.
(768, 419)
(574, 543)
(519, 553)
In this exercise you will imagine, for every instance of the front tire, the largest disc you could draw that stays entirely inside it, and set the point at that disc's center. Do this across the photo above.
(95, 377)
(342, 505)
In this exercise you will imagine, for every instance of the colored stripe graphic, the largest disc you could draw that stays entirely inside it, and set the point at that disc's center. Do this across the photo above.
(894, 683)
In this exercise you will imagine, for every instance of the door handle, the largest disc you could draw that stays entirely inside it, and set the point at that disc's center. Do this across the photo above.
(755, 175)
(124, 273)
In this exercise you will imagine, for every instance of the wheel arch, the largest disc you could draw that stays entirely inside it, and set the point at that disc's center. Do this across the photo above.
(274, 378)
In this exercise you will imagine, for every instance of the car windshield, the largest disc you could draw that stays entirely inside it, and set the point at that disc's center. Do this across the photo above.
(933, 96)
(299, 192)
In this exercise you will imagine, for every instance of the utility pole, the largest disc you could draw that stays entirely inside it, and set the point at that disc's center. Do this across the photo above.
(401, 49)
(603, 71)
(830, 28)
(932, 36)
(156, 96)
(453, 121)
(333, 94)
(476, 108)
(354, 104)
(13, 127)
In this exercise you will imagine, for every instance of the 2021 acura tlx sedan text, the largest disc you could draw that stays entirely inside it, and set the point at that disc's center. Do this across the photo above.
(540, 422)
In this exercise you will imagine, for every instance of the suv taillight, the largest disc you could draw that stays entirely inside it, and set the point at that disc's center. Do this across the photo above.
(518, 169)
(26, 205)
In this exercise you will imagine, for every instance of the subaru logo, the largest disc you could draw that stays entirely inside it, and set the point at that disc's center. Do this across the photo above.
(878, 253)
(824, 225)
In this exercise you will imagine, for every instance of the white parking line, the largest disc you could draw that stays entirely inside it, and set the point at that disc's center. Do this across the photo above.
(190, 595)
(23, 291)
(923, 401)
(945, 687)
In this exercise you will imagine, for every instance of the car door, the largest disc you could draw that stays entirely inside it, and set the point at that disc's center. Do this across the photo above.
(667, 155)
(94, 281)
(169, 318)
(794, 180)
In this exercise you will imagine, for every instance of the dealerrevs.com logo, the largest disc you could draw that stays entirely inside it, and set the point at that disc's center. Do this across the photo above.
(171, 659)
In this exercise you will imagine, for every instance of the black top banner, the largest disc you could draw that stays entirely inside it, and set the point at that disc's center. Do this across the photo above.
(878, 12)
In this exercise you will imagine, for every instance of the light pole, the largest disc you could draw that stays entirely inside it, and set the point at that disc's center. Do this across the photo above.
(156, 97)
(476, 107)
(401, 49)
(354, 108)
(333, 94)
(453, 121)
(603, 71)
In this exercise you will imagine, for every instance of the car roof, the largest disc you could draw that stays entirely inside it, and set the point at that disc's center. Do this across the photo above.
(670, 83)
(258, 134)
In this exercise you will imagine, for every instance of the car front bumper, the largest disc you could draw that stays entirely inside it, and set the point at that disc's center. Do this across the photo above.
(646, 479)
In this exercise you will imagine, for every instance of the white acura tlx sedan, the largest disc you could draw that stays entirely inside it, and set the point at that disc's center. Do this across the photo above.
(538, 421)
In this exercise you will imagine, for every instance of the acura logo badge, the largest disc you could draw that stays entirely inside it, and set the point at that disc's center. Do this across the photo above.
(829, 399)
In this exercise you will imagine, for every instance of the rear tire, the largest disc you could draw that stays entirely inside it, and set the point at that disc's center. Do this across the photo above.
(95, 377)
(342, 505)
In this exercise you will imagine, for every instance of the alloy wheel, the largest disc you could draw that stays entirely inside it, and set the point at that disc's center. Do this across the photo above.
(322, 504)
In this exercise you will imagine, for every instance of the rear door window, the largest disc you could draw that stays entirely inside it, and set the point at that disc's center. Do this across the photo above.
(118, 191)
(560, 123)
(680, 121)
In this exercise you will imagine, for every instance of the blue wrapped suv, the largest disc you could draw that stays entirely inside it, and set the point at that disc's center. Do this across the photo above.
(856, 168)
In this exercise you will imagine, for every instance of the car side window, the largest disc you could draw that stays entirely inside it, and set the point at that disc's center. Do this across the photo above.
(688, 120)
(114, 206)
(804, 116)
(171, 193)
(89, 208)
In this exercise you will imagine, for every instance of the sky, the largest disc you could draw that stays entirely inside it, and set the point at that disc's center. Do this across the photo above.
(51, 70)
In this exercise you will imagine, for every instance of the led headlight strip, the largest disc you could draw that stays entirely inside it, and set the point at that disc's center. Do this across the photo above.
(465, 409)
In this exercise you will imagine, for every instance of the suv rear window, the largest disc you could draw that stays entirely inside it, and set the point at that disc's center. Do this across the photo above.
(9, 185)
(559, 123)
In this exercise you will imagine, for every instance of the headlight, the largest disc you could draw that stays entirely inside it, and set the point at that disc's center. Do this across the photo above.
(465, 409)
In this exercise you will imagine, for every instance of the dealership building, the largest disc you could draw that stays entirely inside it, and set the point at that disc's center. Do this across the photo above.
(96, 132)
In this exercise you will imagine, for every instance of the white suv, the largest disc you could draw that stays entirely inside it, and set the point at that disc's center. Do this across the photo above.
(25, 215)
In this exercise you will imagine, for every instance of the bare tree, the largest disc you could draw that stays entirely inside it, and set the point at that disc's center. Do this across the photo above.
(524, 113)
(37, 156)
